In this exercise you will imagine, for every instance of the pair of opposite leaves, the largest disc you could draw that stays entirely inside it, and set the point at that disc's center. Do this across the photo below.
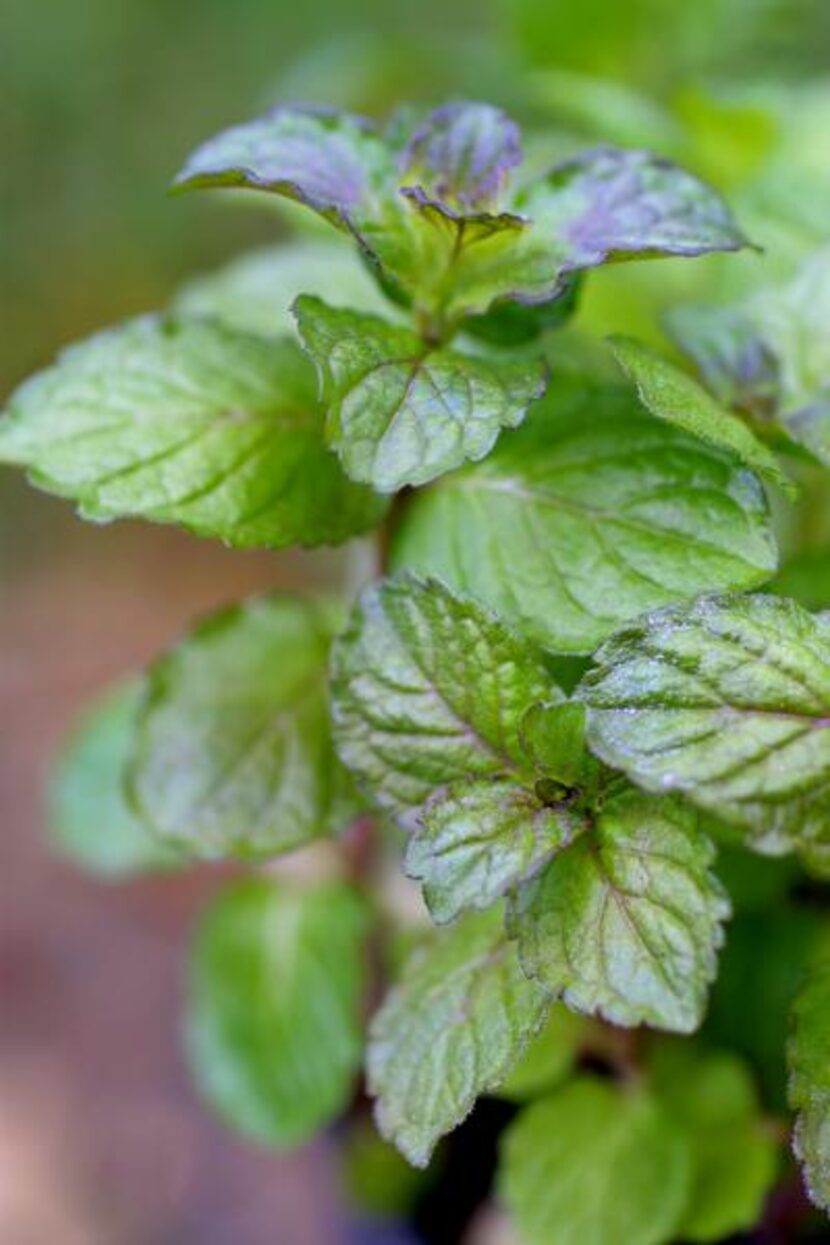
(195, 423)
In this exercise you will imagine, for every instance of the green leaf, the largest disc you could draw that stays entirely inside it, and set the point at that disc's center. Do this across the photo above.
(273, 1034)
(626, 922)
(89, 817)
(334, 163)
(595, 1163)
(670, 394)
(478, 839)
(549, 1058)
(233, 753)
(429, 690)
(400, 413)
(809, 1061)
(451, 1029)
(254, 292)
(734, 1152)
(554, 738)
(728, 702)
(589, 515)
(188, 422)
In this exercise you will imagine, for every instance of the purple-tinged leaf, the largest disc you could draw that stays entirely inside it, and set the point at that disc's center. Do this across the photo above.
(334, 163)
(462, 155)
(610, 204)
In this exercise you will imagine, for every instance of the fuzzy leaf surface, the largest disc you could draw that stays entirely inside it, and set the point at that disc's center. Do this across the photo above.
(452, 1028)
(594, 1164)
(273, 1034)
(726, 701)
(398, 413)
(592, 513)
(188, 422)
(429, 690)
(626, 922)
(233, 753)
(463, 153)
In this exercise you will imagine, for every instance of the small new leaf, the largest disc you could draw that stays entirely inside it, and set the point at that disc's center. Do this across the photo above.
(429, 690)
(626, 922)
(594, 1162)
(589, 515)
(671, 394)
(400, 413)
(272, 1024)
(728, 702)
(809, 1061)
(188, 421)
(554, 738)
(463, 153)
(478, 839)
(233, 752)
(451, 1029)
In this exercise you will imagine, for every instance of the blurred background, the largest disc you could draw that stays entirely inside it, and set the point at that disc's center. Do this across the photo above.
(101, 1140)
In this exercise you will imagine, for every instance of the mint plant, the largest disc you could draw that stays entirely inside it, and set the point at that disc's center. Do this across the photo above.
(561, 706)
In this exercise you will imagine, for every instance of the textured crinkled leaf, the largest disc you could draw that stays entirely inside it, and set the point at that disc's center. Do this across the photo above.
(273, 1032)
(590, 514)
(670, 394)
(712, 1097)
(727, 701)
(254, 293)
(334, 163)
(89, 817)
(463, 153)
(549, 1058)
(429, 689)
(612, 203)
(809, 1061)
(626, 922)
(478, 839)
(399, 413)
(189, 422)
(233, 754)
(594, 1162)
(452, 1028)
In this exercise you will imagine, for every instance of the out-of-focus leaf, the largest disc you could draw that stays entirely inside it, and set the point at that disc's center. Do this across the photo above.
(233, 752)
(90, 818)
(273, 1032)
(734, 1151)
(595, 1162)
